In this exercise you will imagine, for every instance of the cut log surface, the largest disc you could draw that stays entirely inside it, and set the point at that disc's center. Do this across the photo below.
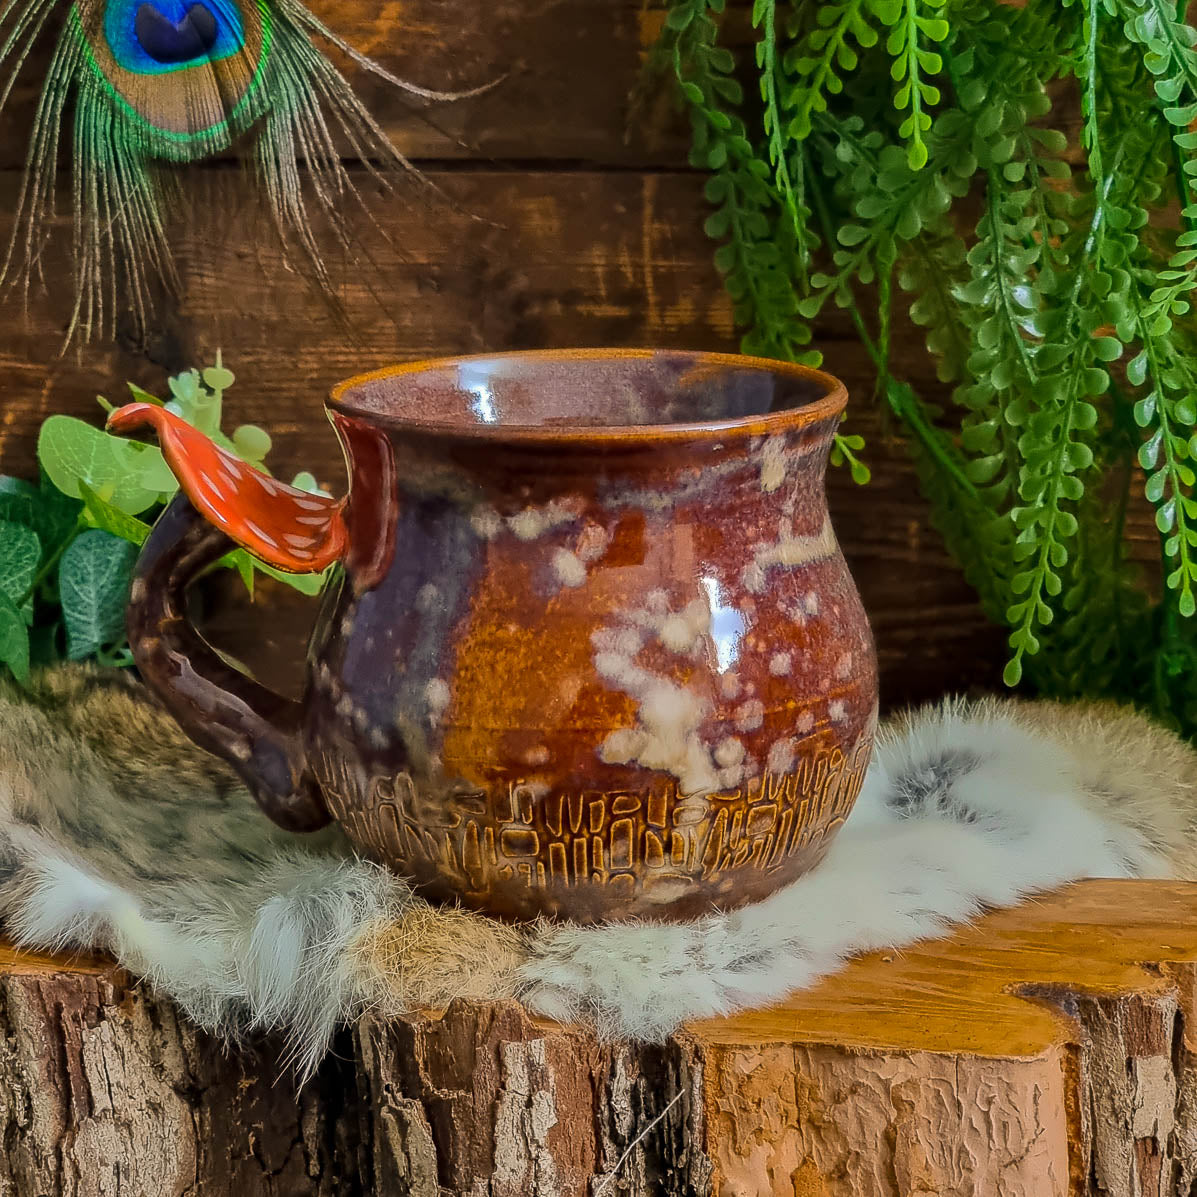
(1046, 1051)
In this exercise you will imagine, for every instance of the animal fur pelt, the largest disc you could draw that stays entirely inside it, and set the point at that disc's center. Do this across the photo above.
(116, 833)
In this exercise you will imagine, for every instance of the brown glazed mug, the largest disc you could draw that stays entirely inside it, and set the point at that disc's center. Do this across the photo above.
(590, 649)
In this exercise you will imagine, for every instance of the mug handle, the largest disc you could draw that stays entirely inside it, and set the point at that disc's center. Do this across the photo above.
(225, 502)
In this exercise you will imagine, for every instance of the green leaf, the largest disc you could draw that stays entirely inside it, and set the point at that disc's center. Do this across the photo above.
(309, 584)
(14, 640)
(18, 501)
(200, 407)
(305, 480)
(72, 452)
(94, 580)
(142, 396)
(55, 518)
(680, 16)
(20, 556)
(149, 468)
(111, 519)
(244, 565)
(16, 487)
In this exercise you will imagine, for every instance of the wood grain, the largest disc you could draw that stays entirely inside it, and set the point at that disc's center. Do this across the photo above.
(561, 71)
(553, 232)
(561, 258)
(1046, 1051)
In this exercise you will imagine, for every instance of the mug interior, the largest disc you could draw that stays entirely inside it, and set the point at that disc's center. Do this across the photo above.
(583, 389)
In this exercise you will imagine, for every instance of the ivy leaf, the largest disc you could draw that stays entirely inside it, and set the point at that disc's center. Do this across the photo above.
(94, 580)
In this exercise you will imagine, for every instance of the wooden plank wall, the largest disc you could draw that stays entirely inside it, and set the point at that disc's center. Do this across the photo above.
(564, 229)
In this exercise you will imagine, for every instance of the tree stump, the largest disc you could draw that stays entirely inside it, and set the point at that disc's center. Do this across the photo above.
(1047, 1050)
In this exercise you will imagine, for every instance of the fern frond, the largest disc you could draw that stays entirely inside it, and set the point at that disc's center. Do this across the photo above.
(884, 124)
(913, 64)
(753, 260)
(816, 62)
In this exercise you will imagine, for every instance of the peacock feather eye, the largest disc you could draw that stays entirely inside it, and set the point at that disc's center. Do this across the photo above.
(160, 83)
(186, 73)
(170, 35)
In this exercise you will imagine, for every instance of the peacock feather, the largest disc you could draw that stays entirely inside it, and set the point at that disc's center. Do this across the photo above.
(156, 84)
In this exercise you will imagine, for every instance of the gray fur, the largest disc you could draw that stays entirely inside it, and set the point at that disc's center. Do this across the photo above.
(116, 833)
(930, 787)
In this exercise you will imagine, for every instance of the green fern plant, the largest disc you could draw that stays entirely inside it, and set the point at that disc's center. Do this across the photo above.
(908, 153)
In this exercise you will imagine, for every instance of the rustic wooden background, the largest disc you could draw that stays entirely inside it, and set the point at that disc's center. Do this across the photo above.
(565, 230)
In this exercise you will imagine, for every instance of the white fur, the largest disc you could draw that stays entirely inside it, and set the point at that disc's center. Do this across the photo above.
(271, 953)
(890, 879)
(963, 808)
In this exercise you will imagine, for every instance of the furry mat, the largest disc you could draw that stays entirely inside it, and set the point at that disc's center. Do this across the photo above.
(115, 833)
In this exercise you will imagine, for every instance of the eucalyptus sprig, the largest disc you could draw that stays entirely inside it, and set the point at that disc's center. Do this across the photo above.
(907, 153)
(68, 543)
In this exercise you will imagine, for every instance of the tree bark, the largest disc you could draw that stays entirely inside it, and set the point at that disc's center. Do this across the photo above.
(1046, 1051)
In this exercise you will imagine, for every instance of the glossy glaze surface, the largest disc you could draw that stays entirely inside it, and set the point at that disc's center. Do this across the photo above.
(594, 651)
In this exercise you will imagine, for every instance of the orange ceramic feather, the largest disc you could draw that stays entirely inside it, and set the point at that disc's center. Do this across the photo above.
(287, 528)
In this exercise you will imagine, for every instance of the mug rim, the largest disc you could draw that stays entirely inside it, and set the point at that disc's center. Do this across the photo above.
(830, 405)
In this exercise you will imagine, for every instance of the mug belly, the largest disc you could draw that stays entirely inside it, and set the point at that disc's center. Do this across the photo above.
(588, 755)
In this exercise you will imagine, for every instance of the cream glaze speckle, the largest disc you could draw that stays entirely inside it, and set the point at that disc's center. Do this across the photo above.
(781, 756)
(669, 715)
(750, 716)
(438, 695)
(486, 522)
(534, 522)
(593, 542)
(569, 568)
(789, 551)
(773, 464)
(729, 752)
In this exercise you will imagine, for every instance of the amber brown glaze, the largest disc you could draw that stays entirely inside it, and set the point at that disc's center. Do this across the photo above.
(593, 651)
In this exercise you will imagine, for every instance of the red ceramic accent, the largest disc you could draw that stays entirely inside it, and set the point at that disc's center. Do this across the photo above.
(288, 528)
(593, 650)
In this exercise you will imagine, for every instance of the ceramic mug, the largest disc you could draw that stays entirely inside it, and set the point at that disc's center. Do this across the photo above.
(590, 648)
